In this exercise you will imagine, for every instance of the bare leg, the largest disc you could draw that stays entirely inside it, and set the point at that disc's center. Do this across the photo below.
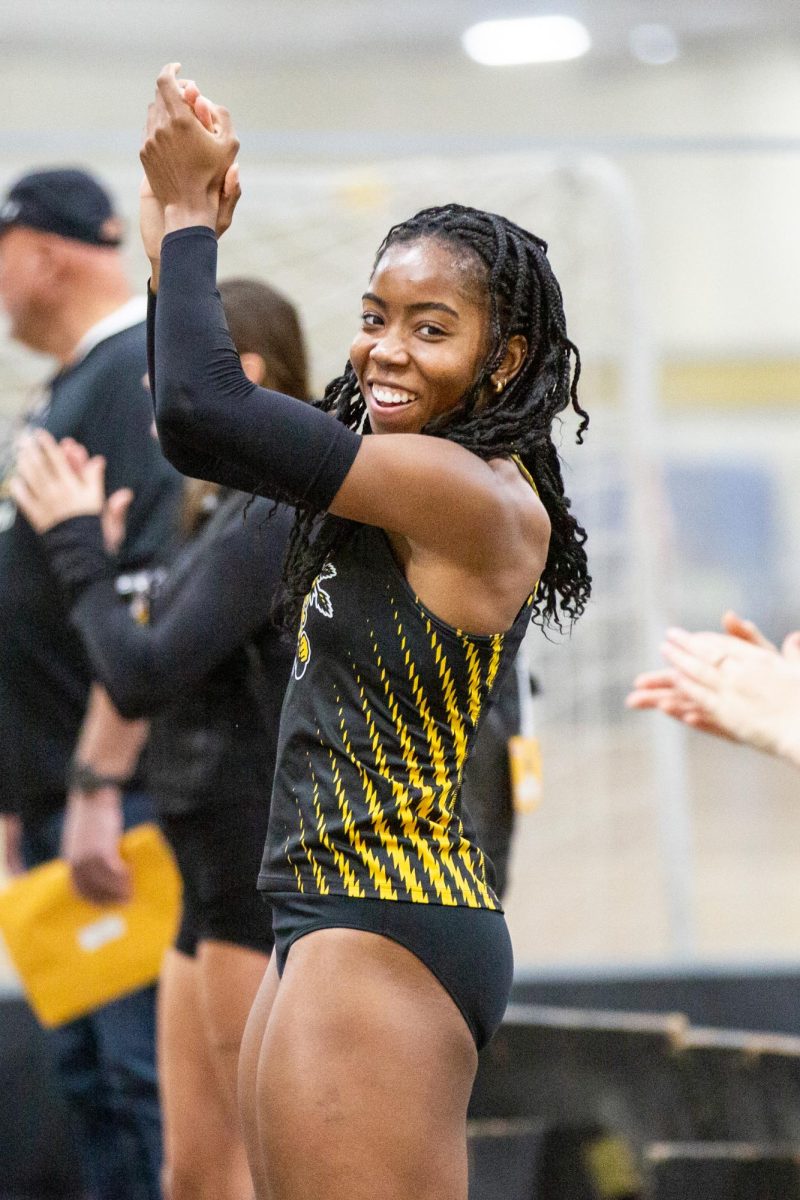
(204, 1153)
(363, 1077)
(252, 1039)
(230, 977)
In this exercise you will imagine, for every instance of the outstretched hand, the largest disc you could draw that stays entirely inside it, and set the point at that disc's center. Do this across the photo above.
(749, 692)
(662, 689)
(188, 150)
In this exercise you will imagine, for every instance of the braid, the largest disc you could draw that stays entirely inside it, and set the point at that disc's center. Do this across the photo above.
(510, 265)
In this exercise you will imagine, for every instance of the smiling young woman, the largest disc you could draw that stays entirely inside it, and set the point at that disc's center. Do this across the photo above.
(417, 560)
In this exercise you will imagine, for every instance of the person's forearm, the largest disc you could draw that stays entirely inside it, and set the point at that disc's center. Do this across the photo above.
(212, 421)
(144, 666)
(108, 743)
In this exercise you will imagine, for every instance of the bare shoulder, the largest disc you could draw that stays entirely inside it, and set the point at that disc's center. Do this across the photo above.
(526, 514)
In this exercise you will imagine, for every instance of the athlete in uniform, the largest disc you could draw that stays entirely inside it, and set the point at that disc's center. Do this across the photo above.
(411, 575)
(204, 661)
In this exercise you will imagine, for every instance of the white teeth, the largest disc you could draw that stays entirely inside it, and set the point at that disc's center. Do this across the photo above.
(385, 395)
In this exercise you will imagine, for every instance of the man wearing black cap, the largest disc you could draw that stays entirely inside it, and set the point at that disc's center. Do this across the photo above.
(68, 765)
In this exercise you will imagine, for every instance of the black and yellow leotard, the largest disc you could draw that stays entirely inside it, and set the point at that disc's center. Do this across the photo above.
(381, 712)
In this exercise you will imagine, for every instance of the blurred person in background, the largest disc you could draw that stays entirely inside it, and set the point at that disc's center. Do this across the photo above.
(735, 684)
(200, 657)
(69, 776)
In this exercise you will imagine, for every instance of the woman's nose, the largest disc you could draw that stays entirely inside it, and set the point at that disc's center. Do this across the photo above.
(391, 348)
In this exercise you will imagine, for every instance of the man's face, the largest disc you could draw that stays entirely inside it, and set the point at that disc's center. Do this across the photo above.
(24, 283)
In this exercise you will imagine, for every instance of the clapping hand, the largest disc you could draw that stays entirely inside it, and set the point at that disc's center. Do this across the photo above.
(55, 481)
(662, 689)
(151, 209)
(748, 692)
(188, 152)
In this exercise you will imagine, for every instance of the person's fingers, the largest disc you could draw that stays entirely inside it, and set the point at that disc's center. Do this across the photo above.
(791, 646)
(95, 475)
(231, 187)
(97, 462)
(708, 649)
(168, 91)
(655, 679)
(24, 497)
(120, 501)
(145, 190)
(205, 112)
(152, 120)
(76, 454)
(223, 127)
(641, 700)
(114, 519)
(692, 667)
(229, 198)
(649, 697)
(746, 631)
(102, 881)
(189, 90)
(30, 464)
(52, 455)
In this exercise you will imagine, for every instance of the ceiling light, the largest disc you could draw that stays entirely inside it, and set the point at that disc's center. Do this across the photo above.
(655, 45)
(526, 40)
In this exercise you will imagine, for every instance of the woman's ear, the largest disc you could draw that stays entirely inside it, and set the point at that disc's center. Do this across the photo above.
(254, 366)
(512, 362)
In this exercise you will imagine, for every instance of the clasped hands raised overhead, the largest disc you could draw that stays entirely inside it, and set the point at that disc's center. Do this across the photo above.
(189, 157)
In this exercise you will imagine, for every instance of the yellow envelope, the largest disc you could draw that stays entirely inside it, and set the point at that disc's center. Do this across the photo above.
(73, 956)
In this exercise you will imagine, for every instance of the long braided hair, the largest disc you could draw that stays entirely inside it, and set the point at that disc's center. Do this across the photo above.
(509, 267)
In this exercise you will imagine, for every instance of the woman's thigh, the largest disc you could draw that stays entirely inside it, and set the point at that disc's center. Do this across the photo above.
(249, 1058)
(197, 1123)
(364, 1076)
(229, 979)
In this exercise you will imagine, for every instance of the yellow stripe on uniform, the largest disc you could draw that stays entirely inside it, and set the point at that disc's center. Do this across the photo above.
(346, 872)
(388, 839)
(377, 872)
(403, 802)
(443, 778)
(316, 869)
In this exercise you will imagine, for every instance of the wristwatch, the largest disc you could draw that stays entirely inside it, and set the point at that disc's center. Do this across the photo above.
(83, 778)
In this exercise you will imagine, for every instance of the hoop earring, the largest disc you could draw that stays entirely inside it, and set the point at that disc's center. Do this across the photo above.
(498, 385)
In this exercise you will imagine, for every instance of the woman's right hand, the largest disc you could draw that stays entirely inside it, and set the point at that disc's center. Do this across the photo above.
(151, 210)
(187, 152)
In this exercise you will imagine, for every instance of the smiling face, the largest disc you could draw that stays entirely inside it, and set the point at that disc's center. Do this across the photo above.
(423, 337)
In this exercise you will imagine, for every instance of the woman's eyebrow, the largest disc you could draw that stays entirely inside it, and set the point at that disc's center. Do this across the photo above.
(419, 307)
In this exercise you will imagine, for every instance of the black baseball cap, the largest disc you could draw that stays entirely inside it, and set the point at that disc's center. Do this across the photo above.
(66, 201)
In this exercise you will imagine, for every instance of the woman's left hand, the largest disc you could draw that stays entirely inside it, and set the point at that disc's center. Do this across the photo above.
(46, 486)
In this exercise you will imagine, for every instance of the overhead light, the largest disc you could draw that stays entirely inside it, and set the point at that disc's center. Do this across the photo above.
(655, 45)
(526, 40)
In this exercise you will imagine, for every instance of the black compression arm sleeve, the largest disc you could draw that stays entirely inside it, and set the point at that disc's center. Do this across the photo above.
(191, 461)
(212, 422)
(77, 554)
(219, 604)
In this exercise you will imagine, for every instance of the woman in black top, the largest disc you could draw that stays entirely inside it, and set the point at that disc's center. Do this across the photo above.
(411, 576)
(204, 661)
